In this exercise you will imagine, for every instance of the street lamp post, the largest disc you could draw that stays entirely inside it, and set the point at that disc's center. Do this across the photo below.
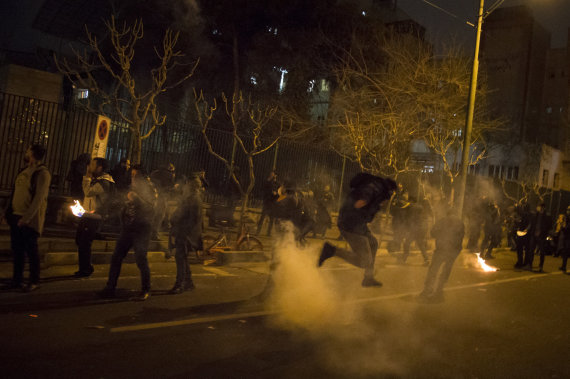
(470, 110)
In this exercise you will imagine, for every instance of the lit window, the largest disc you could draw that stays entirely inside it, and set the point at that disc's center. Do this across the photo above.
(82, 93)
(324, 85)
(545, 174)
(253, 80)
(311, 85)
(556, 183)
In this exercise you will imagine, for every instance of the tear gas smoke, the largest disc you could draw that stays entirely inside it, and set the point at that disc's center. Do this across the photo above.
(349, 337)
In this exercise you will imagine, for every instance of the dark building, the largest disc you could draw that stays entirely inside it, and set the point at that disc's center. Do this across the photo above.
(514, 52)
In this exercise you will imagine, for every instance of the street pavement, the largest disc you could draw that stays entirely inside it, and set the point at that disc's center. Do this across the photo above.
(319, 323)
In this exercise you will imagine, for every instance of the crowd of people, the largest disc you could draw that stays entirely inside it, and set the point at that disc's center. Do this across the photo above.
(139, 201)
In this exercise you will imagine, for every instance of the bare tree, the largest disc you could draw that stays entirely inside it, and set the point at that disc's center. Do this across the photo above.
(134, 99)
(373, 110)
(251, 131)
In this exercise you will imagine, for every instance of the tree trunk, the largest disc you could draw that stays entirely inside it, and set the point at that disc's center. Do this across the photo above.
(137, 144)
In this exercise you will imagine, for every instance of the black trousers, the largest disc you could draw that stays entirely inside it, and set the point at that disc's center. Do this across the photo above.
(420, 239)
(183, 272)
(538, 244)
(565, 253)
(266, 211)
(523, 250)
(86, 231)
(138, 239)
(24, 242)
(362, 252)
(442, 263)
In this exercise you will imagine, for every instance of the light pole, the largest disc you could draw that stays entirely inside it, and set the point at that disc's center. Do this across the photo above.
(470, 110)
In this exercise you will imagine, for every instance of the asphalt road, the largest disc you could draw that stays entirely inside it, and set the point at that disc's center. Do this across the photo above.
(319, 323)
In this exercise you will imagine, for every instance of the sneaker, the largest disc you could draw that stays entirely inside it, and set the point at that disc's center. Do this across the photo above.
(142, 296)
(107, 293)
(31, 287)
(176, 290)
(371, 282)
(327, 252)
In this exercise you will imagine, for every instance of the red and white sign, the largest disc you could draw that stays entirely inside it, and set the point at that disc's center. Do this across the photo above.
(101, 137)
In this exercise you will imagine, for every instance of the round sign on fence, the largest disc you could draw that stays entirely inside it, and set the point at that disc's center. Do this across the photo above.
(103, 130)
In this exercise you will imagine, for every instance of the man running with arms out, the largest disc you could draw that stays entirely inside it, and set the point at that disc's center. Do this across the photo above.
(367, 192)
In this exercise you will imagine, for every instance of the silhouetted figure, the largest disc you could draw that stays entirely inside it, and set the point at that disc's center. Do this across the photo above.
(121, 175)
(541, 224)
(186, 228)
(492, 230)
(364, 200)
(522, 226)
(75, 176)
(135, 233)
(565, 240)
(270, 187)
(448, 233)
(415, 221)
(163, 180)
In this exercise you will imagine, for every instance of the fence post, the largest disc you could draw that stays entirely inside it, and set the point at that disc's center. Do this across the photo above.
(341, 182)
(275, 156)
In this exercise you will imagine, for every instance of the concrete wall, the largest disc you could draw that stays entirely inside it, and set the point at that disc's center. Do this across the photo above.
(29, 82)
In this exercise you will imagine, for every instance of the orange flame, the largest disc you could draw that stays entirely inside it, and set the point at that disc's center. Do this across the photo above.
(484, 265)
(77, 209)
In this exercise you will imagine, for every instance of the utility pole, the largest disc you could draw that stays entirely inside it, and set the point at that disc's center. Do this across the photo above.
(470, 110)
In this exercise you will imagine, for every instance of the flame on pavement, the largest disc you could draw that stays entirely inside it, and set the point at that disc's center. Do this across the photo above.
(484, 266)
(77, 209)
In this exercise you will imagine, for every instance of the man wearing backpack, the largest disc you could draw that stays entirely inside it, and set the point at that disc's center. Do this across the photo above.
(26, 215)
(98, 186)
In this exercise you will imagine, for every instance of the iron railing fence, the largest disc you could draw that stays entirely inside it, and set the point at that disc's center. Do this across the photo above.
(69, 132)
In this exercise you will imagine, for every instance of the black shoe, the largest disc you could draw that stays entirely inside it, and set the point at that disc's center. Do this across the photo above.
(518, 266)
(527, 267)
(371, 282)
(31, 287)
(176, 290)
(81, 274)
(189, 285)
(563, 269)
(142, 296)
(327, 252)
(107, 293)
(540, 269)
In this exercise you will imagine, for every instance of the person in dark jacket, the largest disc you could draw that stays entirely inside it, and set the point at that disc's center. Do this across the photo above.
(522, 225)
(564, 240)
(415, 230)
(364, 200)
(26, 215)
(186, 228)
(163, 180)
(270, 187)
(135, 233)
(75, 176)
(492, 229)
(97, 187)
(121, 175)
(448, 233)
(541, 225)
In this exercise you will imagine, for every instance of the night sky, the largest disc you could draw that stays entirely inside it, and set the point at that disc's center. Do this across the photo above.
(554, 15)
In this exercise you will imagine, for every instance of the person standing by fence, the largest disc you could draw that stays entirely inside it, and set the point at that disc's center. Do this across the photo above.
(26, 215)
(135, 233)
(186, 228)
(163, 180)
(98, 188)
(270, 196)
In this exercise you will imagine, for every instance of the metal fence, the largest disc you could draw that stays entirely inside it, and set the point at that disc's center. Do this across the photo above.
(69, 132)
(23, 121)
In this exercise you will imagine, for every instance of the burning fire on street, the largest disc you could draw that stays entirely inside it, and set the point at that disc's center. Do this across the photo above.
(483, 265)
